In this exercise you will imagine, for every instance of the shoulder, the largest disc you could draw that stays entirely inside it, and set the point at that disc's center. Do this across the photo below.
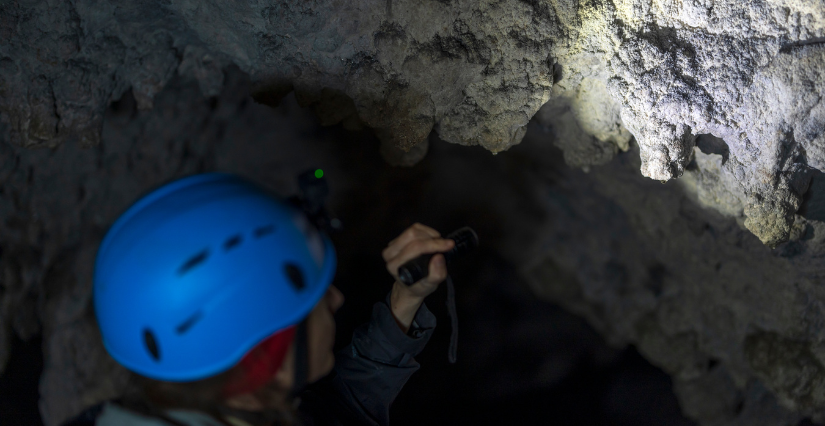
(110, 413)
(113, 414)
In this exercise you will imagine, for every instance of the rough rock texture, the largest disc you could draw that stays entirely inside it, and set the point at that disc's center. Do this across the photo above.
(727, 95)
(732, 321)
(476, 72)
(737, 325)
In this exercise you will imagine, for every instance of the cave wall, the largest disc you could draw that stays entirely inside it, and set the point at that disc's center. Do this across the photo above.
(475, 72)
(734, 322)
(715, 276)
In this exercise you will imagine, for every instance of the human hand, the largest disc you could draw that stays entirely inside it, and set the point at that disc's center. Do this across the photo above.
(416, 240)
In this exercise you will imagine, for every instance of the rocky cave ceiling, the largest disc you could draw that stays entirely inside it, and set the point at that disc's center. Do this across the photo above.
(723, 97)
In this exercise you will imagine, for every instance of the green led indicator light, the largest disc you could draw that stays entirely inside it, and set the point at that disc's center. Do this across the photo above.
(319, 173)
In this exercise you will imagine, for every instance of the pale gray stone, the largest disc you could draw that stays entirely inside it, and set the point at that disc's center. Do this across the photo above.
(100, 101)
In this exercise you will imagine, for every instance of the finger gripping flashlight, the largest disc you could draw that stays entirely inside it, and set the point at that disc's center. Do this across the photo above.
(413, 271)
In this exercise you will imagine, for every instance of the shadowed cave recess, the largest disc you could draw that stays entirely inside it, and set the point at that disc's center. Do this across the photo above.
(652, 223)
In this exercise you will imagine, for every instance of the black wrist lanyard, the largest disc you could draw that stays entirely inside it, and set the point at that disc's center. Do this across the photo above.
(451, 354)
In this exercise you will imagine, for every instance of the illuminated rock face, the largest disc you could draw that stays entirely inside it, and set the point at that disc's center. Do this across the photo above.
(476, 72)
(724, 95)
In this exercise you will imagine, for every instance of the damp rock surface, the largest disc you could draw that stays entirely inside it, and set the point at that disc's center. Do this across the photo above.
(737, 325)
(715, 276)
(476, 72)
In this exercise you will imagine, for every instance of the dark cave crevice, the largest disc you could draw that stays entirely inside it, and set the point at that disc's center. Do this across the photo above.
(813, 202)
(19, 392)
(710, 144)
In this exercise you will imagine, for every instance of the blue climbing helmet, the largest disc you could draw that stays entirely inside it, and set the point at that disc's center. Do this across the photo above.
(199, 271)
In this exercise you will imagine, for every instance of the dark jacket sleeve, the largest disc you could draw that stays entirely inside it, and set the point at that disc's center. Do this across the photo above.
(371, 370)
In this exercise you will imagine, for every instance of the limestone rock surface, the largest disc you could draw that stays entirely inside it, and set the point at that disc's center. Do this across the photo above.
(664, 71)
(726, 95)
(736, 324)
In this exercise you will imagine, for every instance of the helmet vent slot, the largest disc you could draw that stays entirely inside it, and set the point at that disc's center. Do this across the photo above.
(193, 261)
(186, 325)
(232, 242)
(264, 230)
(296, 278)
(151, 344)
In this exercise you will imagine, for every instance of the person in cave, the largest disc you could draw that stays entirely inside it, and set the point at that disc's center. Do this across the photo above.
(217, 296)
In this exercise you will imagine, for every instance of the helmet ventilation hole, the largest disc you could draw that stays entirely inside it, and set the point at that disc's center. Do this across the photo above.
(186, 325)
(232, 242)
(264, 230)
(151, 344)
(193, 261)
(296, 278)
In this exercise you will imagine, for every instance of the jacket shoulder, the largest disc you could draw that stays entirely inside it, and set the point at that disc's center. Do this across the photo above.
(109, 413)
(113, 414)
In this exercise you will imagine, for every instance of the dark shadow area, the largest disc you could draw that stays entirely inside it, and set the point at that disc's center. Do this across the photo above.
(526, 361)
(710, 144)
(813, 202)
(19, 392)
(788, 47)
(521, 360)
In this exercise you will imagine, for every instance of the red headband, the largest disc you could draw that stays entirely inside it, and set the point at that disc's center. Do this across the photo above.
(260, 364)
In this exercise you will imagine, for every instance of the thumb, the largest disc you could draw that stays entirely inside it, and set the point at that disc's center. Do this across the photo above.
(439, 269)
(439, 262)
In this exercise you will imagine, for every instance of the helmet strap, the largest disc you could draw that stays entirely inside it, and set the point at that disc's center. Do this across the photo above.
(301, 359)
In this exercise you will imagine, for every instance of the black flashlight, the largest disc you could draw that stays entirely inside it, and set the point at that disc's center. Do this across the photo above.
(465, 239)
